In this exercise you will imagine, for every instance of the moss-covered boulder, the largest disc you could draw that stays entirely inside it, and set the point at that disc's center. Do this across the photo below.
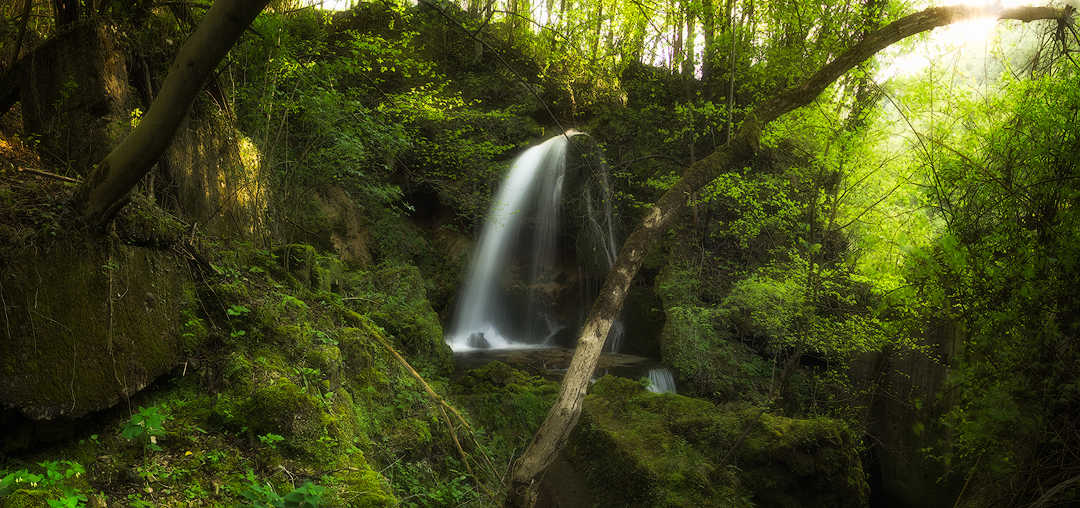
(30, 498)
(310, 269)
(506, 402)
(394, 298)
(637, 448)
(86, 324)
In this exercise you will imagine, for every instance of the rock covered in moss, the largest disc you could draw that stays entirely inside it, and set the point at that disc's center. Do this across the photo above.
(497, 376)
(637, 448)
(83, 305)
(506, 401)
(143, 223)
(310, 269)
(394, 298)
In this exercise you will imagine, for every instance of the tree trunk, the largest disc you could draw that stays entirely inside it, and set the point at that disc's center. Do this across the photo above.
(105, 191)
(27, 5)
(65, 12)
(708, 53)
(553, 433)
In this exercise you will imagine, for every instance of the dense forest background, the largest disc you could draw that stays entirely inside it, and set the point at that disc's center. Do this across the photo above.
(880, 307)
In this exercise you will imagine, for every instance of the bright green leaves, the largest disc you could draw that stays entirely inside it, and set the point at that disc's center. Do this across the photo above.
(694, 121)
(998, 164)
(768, 306)
(382, 59)
(263, 495)
(348, 104)
(146, 426)
(764, 203)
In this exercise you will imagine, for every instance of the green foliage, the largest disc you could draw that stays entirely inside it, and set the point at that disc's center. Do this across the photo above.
(146, 426)
(767, 306)
(394, 297)
(998, 165)
(270, 439)
(346, 104)
(766, 205)
(262, 495)
(56, 477)
(72, 499)
(506, 403)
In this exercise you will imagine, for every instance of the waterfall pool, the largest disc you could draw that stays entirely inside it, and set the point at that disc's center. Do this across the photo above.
(542, 360)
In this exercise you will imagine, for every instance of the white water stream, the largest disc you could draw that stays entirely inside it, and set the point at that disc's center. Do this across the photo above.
(526, 216)
(480, 303)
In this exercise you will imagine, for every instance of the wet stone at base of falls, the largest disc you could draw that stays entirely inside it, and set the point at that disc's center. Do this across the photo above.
(477, 341)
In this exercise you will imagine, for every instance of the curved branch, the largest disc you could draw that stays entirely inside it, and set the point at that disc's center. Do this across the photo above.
(884, 37)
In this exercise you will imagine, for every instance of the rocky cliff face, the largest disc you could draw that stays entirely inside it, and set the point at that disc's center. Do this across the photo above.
(907, 395)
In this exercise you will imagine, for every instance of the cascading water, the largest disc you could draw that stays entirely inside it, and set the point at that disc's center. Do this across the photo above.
(522, 228)
(662, 380)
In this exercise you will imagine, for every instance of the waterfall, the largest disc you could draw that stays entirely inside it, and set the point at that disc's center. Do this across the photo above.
(663, 381)
(520, 238)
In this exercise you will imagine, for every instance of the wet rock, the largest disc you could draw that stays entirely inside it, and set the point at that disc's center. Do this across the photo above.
(478, 341)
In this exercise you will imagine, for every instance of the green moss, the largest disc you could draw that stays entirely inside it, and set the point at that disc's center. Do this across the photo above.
(239, 371)
(293, 337)
(104, 303)
(327, 359)
(637, 448)
(143, 223)
(30, 498)
(507, 402)
(193, 332)
(394, 299)
(328, 274)
(298, 261)
(397, 241)
(362, 487)
(280, 408)
(339, 399)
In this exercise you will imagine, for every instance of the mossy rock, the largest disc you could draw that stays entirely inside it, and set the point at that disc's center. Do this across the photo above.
(505, 401)
(637, 448)
(326, 358)
(328, 275)
(298, 260)
(281, 408)
(363, 488)
(95, 303)
(394, 298)
(194, 331)
(30, 498)
(356, 351)
(142, 223)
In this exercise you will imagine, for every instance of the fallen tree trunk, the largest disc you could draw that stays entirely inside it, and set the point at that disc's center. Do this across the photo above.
(553, 433)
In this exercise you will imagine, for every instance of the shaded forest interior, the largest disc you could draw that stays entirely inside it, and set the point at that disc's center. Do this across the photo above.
(865, 284)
